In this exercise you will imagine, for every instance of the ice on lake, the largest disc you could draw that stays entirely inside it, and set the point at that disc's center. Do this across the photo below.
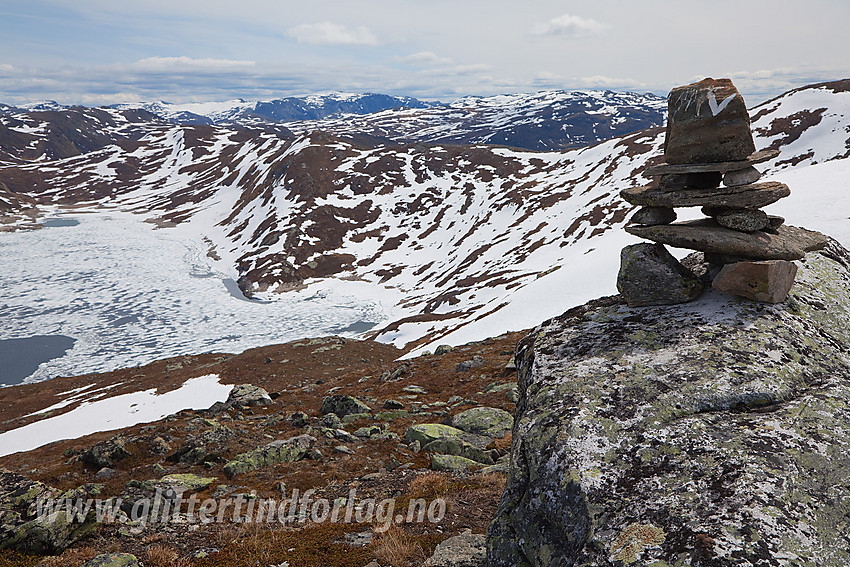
(127, 294)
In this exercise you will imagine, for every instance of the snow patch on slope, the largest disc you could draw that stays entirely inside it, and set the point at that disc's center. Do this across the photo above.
(116, 412)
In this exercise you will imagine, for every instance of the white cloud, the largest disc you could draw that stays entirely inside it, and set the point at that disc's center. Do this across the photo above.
(608, 82)
(569, 26)
(6, 67)
(187, 63)
(424, 59)
(329, 33)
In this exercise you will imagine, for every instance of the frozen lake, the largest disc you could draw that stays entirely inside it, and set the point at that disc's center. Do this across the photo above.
(122, 294)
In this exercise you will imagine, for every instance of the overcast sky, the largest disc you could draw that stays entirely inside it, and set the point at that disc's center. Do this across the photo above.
(106, 51)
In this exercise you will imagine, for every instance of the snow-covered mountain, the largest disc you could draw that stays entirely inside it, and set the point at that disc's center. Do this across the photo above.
(457, 242)
(548, 120)
(312, 107)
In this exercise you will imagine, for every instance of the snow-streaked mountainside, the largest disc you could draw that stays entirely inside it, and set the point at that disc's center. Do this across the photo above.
(313, 107)
(453, 242)
(549, 120)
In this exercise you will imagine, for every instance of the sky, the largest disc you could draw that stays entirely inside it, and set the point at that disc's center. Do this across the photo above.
(96, 52)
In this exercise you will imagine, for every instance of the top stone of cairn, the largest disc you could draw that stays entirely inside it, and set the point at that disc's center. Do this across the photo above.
(707, 122)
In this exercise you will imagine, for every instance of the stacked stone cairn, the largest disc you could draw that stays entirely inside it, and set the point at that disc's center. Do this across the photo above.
(741, 249)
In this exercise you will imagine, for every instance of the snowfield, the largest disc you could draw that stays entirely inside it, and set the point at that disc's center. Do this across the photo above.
(116, 412)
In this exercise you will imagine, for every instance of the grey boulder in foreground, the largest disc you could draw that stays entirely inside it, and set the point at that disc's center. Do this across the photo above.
(714, 433)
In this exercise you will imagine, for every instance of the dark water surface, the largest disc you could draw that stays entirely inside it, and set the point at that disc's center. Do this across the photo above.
(21, 357)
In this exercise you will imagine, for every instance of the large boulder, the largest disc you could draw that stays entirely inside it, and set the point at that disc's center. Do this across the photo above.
(713, 433)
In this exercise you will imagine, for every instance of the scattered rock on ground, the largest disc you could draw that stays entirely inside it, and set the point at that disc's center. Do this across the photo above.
(298, 419)
(343, 406)
(451, 463)
(464, 550)
(21, 528)
(491, 422)
(475, 362)
(285, 451)
(114, 560)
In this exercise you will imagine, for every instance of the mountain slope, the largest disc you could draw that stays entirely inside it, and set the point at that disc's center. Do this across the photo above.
(313, 107)
(541, 121)
(453, 241)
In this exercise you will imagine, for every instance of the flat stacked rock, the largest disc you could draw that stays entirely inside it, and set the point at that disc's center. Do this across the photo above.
(710, 163)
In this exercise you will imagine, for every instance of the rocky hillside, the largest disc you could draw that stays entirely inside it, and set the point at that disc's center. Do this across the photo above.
(454, 240)
(339, 417)
(706, 434)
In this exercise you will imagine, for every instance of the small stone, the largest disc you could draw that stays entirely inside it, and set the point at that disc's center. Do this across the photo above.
(104, 474)
(343, 449)
(649, 216)
(343, 405)
(476, 361)
(442, 349)
(465, 550)
(707, 121)
(298, 419)
(359, 539)
(741, 177)
(768, 281)
(743, 220)
(701, 265)
(413, 389)
(331, 420)
(650, 275)
(775, 221)
(114, 560)
(451, 463)
(393, 404)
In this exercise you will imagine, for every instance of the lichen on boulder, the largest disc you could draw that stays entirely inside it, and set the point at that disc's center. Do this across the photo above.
(26, 528)
(715, 432)
(283, 451)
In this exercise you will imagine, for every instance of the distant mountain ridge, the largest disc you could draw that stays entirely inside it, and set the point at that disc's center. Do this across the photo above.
(312, 107)
(547, 120)
(542, 121)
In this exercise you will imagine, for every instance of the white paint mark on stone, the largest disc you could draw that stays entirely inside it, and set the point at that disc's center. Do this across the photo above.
(715, 108)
